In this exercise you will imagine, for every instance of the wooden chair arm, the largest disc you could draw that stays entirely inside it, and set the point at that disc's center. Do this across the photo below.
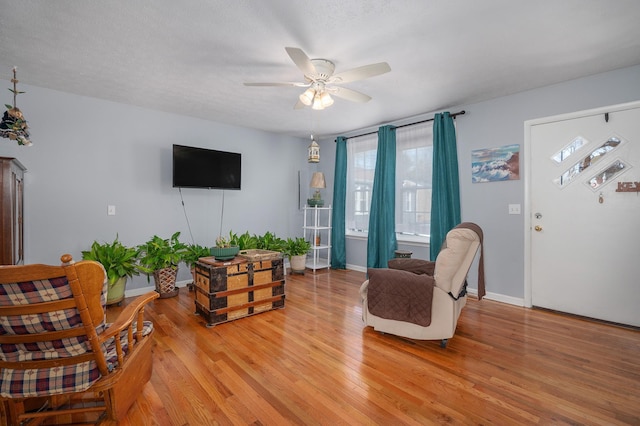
(129, 314)
(134, 311)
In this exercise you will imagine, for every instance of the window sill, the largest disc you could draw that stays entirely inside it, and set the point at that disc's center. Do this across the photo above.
(411, 240)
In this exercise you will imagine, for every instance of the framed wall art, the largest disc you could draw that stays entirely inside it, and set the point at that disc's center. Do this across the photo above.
(495, 164)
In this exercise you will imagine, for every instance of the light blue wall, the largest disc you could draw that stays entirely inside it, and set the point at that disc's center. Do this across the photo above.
(496, 123)
(89, 153)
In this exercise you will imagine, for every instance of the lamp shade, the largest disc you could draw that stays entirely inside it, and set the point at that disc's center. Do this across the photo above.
(307, 97)
(317, 180)
(326, 100)
(317, 102)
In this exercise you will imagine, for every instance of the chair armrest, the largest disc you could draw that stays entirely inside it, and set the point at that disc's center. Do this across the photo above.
(417, 266)
(129, 314)
(125, 321)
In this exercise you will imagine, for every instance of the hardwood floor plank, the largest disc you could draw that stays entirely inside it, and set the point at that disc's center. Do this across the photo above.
(314, 363)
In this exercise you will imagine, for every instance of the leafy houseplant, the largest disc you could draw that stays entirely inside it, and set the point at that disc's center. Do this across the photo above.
(247, 242)
(192, 253)
(269, 241)
(296, 249)
(160, 257)
(119, 261)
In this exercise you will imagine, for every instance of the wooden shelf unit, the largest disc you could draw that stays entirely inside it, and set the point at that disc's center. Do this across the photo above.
(317, 228)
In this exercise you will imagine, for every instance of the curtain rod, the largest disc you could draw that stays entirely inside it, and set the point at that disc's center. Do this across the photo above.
(454, 115)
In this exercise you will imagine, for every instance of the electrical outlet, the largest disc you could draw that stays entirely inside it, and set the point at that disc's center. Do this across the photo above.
(111, 210)
(514, 208)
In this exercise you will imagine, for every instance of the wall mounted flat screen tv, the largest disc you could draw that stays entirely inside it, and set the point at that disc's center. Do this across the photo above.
(206, 168)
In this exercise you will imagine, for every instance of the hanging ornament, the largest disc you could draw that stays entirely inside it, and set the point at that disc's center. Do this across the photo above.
(314, 151)
(13, 124)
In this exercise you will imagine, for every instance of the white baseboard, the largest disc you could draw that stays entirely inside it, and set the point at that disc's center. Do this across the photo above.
(517, 301)
(357, 268)
(142, 290)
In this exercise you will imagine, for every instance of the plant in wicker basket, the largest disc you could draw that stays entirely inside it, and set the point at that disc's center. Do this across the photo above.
(160, 257)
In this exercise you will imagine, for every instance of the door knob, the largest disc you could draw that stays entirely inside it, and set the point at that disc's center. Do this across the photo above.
(538, 228)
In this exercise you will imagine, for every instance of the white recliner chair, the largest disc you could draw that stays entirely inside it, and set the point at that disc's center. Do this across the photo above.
(420, 299)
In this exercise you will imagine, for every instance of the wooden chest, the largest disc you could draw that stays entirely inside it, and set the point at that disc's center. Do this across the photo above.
(228, 290)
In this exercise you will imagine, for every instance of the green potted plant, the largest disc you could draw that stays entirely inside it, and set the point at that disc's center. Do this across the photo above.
(119, 261)
(296, 249)
(192, 253)
(269, 241)
(226, 248)
(160, 257)
(247, 242)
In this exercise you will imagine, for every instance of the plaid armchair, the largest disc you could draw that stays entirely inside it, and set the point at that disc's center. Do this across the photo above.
(56, 349)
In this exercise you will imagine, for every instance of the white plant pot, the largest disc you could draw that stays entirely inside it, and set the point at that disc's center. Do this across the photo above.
(298, 263)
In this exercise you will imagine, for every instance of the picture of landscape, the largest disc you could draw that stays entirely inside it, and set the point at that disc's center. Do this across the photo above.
(495, 164)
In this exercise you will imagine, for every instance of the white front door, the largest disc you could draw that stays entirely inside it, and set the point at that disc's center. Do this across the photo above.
(584, 211)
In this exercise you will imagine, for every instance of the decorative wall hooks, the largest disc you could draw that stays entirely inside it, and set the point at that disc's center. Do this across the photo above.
(13, 125)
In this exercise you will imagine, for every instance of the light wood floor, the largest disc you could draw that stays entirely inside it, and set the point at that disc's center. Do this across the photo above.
(313, 362)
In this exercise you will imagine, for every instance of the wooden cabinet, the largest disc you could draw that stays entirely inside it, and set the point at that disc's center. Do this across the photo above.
(228, 290)
(11, 211)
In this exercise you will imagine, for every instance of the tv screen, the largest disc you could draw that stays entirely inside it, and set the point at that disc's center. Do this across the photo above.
(205, 168)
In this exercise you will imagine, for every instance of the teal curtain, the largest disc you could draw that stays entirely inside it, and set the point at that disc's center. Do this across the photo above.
(445, 196)
(338, 230)
(381, 242)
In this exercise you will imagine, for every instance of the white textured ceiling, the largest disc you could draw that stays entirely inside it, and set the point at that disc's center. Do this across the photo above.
(191, 57)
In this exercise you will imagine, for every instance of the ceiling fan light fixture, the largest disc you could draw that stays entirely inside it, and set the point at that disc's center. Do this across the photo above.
(317, 102)
(308, 96)
(326, 100)
(319, 75)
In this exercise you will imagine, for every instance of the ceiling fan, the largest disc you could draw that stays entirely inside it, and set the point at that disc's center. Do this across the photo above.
(321, 82)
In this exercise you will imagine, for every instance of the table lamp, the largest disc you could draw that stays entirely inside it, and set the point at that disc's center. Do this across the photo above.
(317, 182)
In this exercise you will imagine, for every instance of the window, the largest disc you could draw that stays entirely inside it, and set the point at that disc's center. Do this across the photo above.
(414, 159)
(361, 166)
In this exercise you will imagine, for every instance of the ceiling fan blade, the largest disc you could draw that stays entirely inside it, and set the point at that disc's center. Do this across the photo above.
(349, 94)
(278, 84)
(301, 60)
(360, 73)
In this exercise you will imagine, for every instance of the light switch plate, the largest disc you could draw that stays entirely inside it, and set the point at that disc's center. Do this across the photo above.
(111, 210)
(514, 208)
